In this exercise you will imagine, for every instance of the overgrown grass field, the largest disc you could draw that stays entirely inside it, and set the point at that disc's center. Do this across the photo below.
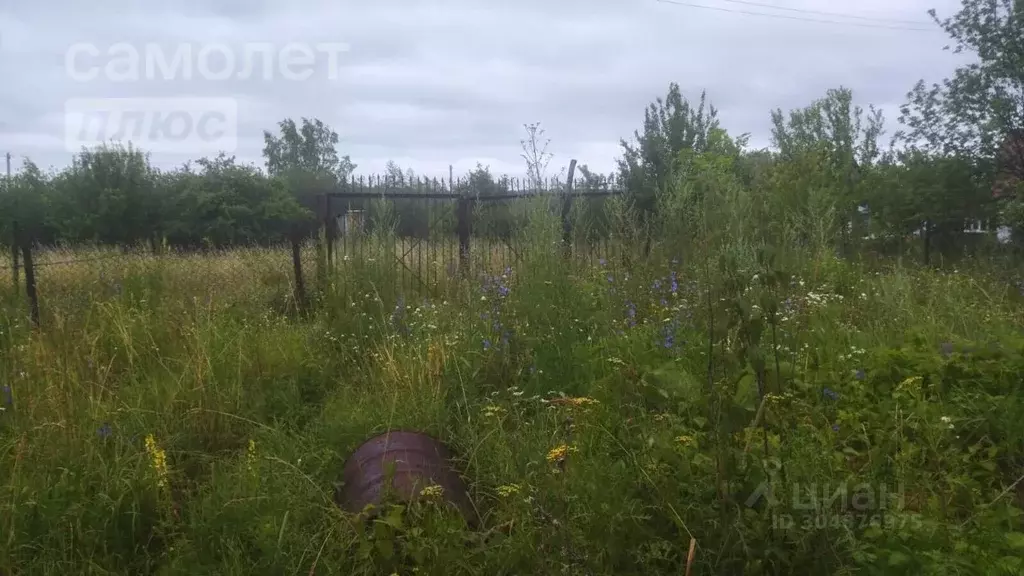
(179, 417)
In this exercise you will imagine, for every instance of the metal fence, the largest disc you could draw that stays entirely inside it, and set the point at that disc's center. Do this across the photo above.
(431, 231)
(420, 235)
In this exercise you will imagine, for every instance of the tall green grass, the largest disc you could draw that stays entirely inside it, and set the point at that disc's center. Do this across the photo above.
(605, 414)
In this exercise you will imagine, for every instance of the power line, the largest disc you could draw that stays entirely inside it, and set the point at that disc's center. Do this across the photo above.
(824, 13)
(798, 18)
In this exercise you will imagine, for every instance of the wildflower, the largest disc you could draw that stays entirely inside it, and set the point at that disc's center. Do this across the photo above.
(948, 421)
(251, 456)
(602, 262)
(508, 490)
(432, 491)
(8, 396)
(557, 454)
(158, 460)
(398, 314)
(668, 333)
(578, 401)
(946, 348)
(610, 279)
(835, 427)
(684, 439)
(487, 344)
(104, 431)
(493, 411)
(859, 374)
(831, 394)
(674, 286)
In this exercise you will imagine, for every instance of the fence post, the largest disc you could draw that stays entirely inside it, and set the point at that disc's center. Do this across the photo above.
(30, 278)
(329, 225)
(300, 285)
(319, 249)
(15, 247)
(567, 208)
(465, 212)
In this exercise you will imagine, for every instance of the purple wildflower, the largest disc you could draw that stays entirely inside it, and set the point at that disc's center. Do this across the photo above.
(831, 394)
(487, 344)
(8, 395)
(835, 427)
(610, 279)
(670, 340)
(104, 431)
(674, 287)
(602, 262)
(398, 314)
(859, 375)
(946, 349)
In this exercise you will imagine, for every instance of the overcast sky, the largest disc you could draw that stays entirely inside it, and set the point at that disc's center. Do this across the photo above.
(432, 83)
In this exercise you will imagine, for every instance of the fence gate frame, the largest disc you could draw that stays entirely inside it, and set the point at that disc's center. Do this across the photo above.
(465, 202)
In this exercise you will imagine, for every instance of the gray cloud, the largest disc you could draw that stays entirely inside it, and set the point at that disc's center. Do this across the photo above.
(430, 83)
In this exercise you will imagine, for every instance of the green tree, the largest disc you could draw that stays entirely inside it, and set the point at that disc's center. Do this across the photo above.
(305, 157)
(978, 113)
(648, 165)
(225, 203)
(835, 145)
(107, 196)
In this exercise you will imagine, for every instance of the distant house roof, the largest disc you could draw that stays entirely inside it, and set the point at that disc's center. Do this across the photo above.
(1011, 163)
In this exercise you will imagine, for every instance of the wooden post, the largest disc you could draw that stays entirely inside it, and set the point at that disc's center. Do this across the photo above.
(465, 212)
(926, 238)
(319, 239)
(15, 247)
(329, 225)
(567, 208)
(14, 238)
(30, 278)
(300, 285)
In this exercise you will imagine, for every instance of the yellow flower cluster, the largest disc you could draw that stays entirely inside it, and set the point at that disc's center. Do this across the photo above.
(158, 460)
(433, 491)
(508, 490)
(575, 402)
(558, 453)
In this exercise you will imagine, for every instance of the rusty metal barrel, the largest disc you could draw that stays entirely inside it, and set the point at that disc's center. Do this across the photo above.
(419, 461)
